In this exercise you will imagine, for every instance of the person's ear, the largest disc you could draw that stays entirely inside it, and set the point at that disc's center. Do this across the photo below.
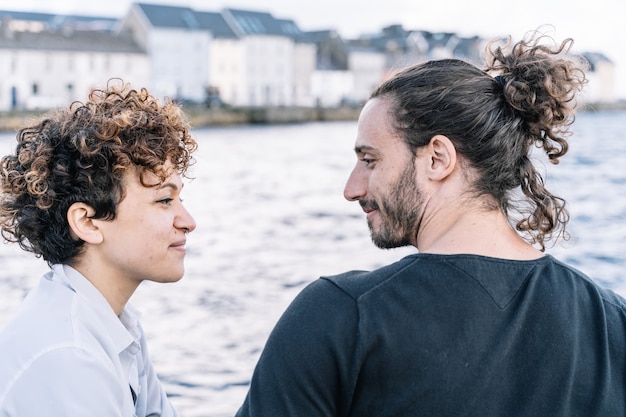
(442, 157)
(82, 226)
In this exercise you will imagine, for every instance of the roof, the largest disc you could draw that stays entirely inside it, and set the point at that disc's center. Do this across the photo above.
(470, 49)
(52, 22)
(289, 28)
(174, 17)
(251, 23)
(246, 22)
(438, 39)
(231, 23)
(594, 58)
(216, 24)
(58, 41)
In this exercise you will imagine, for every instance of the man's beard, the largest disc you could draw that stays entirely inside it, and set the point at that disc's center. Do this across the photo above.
(400, 212)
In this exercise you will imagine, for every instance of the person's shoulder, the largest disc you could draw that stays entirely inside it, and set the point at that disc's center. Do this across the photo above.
(31, 339)
(52, 316)
(45, 314)
(37, 327)
(356, 283)
(610, 298)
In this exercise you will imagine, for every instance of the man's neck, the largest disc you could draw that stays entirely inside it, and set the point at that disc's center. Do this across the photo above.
(474, 231)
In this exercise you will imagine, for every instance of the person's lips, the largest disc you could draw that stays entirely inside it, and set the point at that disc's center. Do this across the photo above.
(368, 207)
(179, 245)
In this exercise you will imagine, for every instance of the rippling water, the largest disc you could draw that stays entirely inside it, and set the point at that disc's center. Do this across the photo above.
(271, 218)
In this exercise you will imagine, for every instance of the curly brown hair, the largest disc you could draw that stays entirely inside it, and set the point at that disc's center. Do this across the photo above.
(494, 122)
(81, 154)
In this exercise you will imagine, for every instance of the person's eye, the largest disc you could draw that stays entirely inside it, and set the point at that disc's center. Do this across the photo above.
(166, 201)
(368, 161)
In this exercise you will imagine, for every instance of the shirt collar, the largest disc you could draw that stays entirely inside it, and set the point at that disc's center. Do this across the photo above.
(124, 330)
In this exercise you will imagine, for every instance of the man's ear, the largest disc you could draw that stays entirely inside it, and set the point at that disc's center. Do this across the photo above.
(442, 157)
(82, 226)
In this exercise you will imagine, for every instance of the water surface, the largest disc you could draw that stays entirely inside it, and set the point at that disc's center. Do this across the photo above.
(271, 218)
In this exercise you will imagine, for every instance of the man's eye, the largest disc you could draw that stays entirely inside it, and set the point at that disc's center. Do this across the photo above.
(166, 201)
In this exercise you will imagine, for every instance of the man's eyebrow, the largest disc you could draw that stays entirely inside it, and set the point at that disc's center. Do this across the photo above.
(363, 149)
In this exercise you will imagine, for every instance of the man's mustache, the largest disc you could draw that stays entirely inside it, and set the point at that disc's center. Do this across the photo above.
(368, 205)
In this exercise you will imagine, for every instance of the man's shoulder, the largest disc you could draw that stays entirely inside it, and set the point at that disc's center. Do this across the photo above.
(356, 283)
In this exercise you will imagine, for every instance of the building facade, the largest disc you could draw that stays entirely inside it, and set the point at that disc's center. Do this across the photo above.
(177, 48)
(43, 67)
(232, 57)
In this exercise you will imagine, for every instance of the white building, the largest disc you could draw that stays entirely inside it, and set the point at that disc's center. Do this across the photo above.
(303, 70)
(177, 49)
(276, 66)
(601, 79)
(41, 68)
(368, 67)
(250, 58)
(226, 76)
(238, 57)
(332, 87)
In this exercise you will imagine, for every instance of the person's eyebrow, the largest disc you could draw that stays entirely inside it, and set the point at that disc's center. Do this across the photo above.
(364, 149)
(171, 185)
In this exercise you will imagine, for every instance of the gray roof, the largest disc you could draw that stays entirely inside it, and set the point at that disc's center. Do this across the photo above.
(35, 17)
(170, 16)
(395, 39)
(54, 22)
(594, 58)
(321, 35)
(332, 51)
(216, 24)
(231, 23)
(290, 28)
(437, 39)
(251, 23)
(470, 50)
(246, 22)
(58, 41)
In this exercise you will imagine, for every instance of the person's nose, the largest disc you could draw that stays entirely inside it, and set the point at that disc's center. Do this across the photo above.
(185, 220)
(355, 186)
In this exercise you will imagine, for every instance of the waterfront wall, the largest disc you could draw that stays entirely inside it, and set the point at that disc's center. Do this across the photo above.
(202, 117)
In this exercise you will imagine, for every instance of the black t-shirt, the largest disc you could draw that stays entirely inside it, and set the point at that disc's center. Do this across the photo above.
(447, 335)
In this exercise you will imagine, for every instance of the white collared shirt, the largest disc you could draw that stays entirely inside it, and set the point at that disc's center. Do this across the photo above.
(66, 353)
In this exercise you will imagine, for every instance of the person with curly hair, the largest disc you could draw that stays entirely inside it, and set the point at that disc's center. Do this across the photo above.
(480, 322)
(94, 190)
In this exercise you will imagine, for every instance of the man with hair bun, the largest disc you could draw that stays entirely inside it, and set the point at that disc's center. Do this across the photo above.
(94, 190)
(481, 322)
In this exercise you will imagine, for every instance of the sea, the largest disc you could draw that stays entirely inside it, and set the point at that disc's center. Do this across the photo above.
(271, 218)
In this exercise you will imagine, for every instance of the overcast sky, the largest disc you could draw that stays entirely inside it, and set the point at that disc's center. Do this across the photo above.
(595, 25)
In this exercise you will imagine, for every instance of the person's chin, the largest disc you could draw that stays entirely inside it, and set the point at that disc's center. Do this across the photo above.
(372, 219)
(173, 277)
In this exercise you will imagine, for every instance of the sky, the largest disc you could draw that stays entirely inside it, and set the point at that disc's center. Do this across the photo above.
(595, 25)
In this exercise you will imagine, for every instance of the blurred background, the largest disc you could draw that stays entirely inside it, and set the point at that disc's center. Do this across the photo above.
(243, 54)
